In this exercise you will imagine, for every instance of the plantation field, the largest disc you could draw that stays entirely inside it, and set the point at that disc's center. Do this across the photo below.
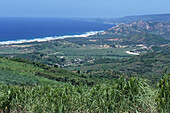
(8, 51)
(61, 52)
(93, 52)
(64, 50)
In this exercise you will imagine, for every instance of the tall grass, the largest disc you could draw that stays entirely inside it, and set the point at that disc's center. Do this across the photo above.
(124, 95)
(163, 97)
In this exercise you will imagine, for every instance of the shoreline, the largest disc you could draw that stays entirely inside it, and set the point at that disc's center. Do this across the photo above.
(48, 38)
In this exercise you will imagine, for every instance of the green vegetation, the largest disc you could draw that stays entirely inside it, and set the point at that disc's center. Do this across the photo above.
(149, 66)
(22, 72)
(144, 38)
(34, 87)
(164, 94)
(63, 53)
(123, 95)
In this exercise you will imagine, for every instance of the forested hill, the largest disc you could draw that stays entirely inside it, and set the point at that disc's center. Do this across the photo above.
(160, 28)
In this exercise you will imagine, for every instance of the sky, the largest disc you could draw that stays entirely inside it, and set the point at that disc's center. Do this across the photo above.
(82, 8)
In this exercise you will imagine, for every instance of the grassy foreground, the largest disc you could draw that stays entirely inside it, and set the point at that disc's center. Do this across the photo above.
(123, 95)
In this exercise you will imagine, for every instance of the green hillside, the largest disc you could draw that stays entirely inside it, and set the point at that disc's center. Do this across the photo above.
(143, 38)
(23, 72)
(122, 95)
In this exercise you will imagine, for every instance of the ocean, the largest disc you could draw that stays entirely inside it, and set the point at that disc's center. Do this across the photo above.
(24, 29)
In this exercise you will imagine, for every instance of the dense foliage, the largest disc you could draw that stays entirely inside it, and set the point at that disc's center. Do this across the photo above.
(123, 95)
(149, 66)
(164, 94)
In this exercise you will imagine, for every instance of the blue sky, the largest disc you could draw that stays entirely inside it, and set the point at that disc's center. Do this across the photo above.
(82, 8)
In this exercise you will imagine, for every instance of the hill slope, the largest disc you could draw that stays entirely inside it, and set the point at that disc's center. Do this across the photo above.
(19, 71)
(160, 28)
(135, 33)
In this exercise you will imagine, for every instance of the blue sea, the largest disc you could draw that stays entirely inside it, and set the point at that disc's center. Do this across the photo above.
(13, 29)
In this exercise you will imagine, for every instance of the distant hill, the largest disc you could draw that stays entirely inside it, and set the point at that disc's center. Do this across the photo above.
(152, 17)
(138, 32)
(128, 31)
(130, 19)
(160, 28)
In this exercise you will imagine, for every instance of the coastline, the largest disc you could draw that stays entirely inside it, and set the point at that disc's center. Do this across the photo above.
(49, 38)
